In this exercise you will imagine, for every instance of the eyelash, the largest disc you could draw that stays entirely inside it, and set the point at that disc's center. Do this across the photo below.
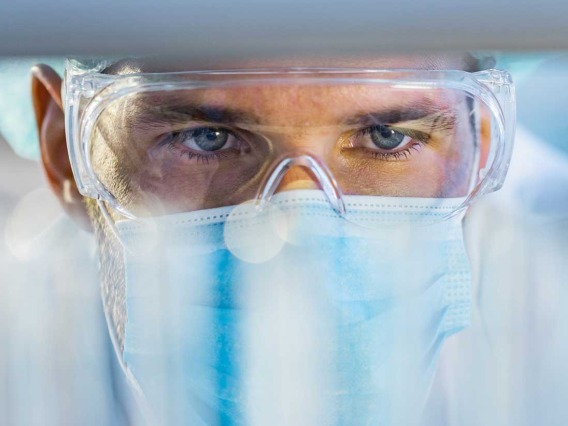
(171, 143)
(398, 155)
(419, 139)
(204, 158)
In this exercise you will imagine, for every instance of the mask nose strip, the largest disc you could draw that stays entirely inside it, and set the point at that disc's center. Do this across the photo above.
(321, 173)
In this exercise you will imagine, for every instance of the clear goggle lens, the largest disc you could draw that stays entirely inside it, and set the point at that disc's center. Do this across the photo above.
(175, 150)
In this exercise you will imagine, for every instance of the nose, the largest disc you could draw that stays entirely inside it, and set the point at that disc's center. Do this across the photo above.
(302, 172)
(298, 177)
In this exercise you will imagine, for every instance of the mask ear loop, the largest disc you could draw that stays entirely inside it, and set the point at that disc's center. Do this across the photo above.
(139, 397)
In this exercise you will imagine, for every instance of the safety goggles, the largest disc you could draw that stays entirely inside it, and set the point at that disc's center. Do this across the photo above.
(152, 144)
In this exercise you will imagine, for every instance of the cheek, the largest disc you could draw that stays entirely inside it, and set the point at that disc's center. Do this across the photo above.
(108, 165)
(161, 189)
(485, 136)
(460, 165)
(432, 174)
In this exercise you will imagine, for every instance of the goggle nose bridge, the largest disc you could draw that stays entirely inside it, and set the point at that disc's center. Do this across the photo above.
(319, 170)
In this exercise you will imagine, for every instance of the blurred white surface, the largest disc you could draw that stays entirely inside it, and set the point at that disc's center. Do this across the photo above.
(54, 358)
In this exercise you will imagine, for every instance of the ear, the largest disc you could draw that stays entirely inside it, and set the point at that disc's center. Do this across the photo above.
(46, 98)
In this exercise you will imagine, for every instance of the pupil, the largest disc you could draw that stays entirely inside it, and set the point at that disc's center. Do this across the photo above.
(210, 139)
(386, 138)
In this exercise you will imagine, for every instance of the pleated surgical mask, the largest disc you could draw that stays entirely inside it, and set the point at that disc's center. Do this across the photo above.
(291, 314)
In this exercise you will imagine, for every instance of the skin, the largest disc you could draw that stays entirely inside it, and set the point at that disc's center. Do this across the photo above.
(295, 120)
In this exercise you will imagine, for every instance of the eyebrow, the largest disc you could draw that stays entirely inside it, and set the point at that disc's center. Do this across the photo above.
(182, 113)
(433, 116)
(418, 110)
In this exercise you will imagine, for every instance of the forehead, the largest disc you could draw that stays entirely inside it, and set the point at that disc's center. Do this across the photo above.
(460, 61)
(289, 104)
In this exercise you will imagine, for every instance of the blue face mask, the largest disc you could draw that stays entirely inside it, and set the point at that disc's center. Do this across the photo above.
(293, 315)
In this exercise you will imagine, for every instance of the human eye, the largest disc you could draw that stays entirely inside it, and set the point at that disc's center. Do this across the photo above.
(389, 143)
(205, 143)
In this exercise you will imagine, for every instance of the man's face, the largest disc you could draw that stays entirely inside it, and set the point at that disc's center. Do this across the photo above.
(162, 152)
